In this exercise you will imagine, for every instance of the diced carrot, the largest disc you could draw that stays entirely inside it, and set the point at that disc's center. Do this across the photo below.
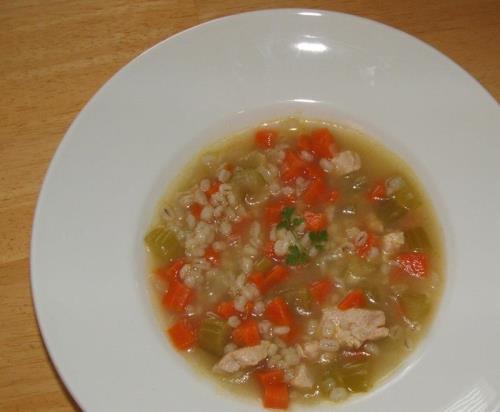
(316, 192)
(315, 221)
(266, 138)
(414, 264)
(177, 296)
(272, 211)
(270, 376)
(304, 143)
(333, 196)
(196, 209)
(371, 241)
(314, 171)
(247, 333)
(214, 188)
(377, 192)
(276, 396)
(257, 278)
(182, 334)
(277, 312)
(212, 255)
(226, 309)
(292, 167)
(275, 276)
(322, 143)
(171, 271)
(354, 299)
(320, 290)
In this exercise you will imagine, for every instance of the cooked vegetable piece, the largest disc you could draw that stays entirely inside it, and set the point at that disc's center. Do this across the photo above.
(292, 167)
(377, 192)
(299, 300)
(170, 271)
(415, 306)
(413, 263)
(321, 289)
(266, 138)
(163, 244)
(315, 221)
(321, 142)
(247, 181)
(213, 335)
(274, 277)
(247, 334)
(253, 160)
(416, 239)
(355, 376)
(276, 396)
(226, 309)
(177, 297)
(316, 192)
(278, 313)
(182, 334)
(270, 376)
(354, 299)
(364, 249)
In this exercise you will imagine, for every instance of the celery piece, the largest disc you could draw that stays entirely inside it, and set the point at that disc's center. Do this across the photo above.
(416, 306)
(253, 160)
(417, 239)
(354, 376)
(247, 181)
(213, 336)
(163, 243)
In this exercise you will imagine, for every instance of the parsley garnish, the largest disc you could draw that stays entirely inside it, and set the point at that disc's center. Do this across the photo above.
(321, 236)
(296, 256)
(287, 220)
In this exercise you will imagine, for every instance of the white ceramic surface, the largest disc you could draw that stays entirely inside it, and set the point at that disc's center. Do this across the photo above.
(87, 255)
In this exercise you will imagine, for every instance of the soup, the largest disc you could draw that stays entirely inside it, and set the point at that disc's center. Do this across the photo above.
(295, 262)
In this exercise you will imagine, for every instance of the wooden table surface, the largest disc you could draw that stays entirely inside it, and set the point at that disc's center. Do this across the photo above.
(55, 54)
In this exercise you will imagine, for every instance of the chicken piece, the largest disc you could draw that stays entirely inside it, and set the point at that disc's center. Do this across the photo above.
(243, 358)
(392, 242)
(346, 162)
(302, 378)
(353, 327)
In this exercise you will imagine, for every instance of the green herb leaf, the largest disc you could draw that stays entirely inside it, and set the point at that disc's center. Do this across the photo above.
(296, 256)
(288, 221)
(318, 239)
(321, 236)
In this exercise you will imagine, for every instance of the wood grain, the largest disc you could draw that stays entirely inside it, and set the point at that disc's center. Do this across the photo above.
(54, 55)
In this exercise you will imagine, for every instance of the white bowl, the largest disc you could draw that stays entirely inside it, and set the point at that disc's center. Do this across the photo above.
(88, 261)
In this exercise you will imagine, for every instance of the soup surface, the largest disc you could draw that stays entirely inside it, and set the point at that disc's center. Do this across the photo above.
(295, 262)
